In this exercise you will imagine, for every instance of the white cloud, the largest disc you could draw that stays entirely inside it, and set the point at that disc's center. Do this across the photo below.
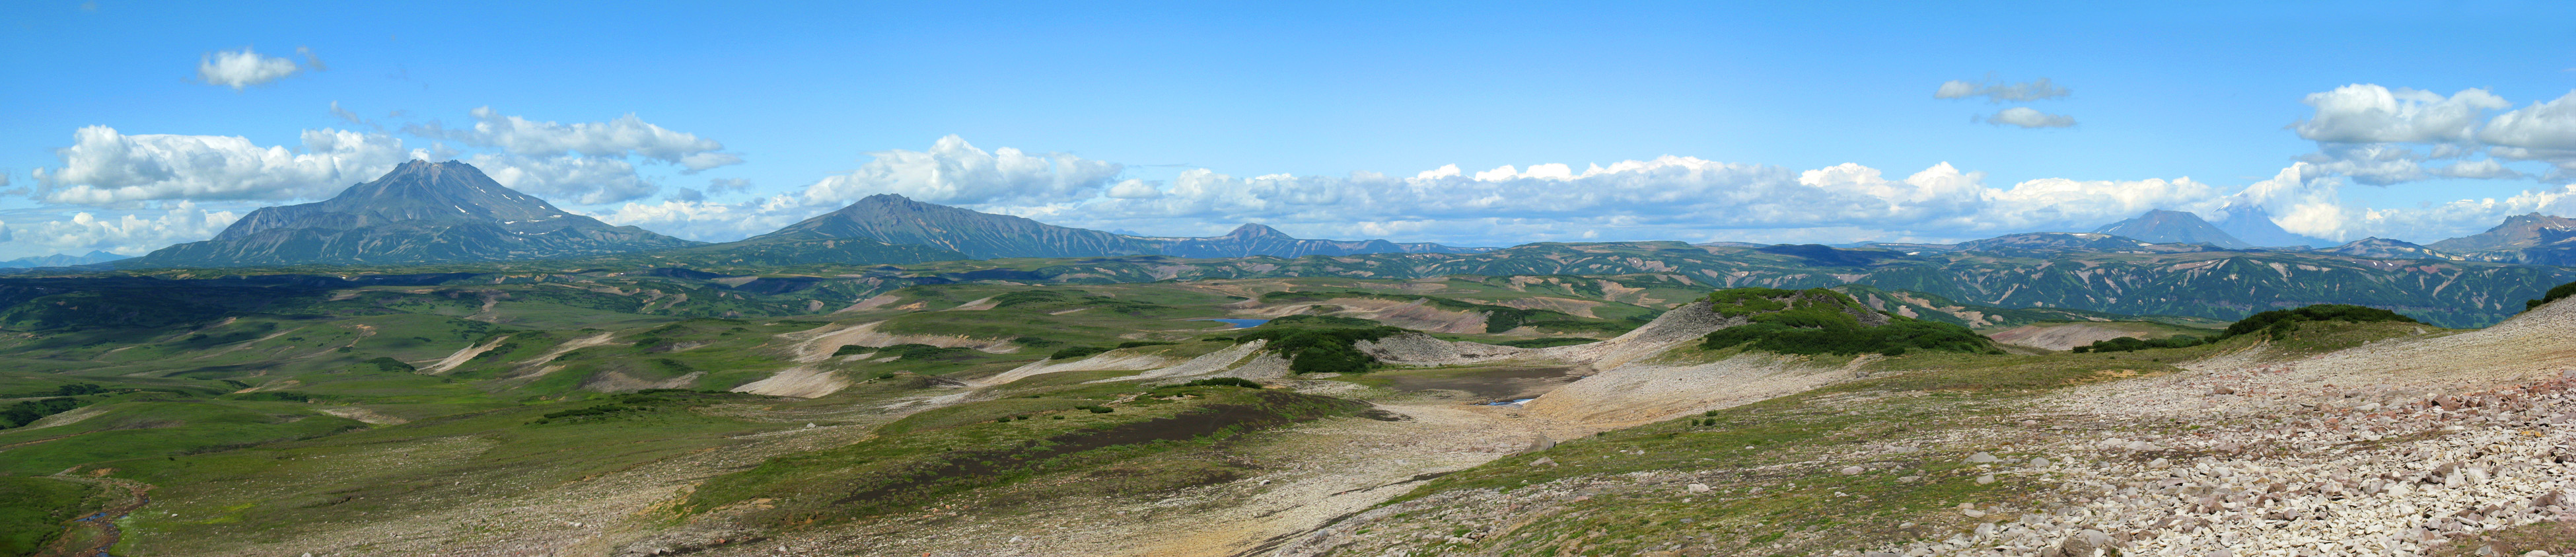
(2366, 113)
(615, 138)
(103, 167)
(346, 116)
(2029, 118)
(1128, 189)
(570, 179)
(244, 68)
(710, 222)
(724, 185)
(134, 233)
(2382, 136)
(954, 172)
(1993, 91)
(2547, 126)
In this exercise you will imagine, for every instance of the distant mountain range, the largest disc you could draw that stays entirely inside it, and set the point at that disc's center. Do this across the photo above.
(450, 212)
(422, 212)
(60, 260)
(895, 219)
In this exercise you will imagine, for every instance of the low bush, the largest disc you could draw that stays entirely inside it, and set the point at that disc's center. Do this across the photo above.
(1821, 321)
(1321, 350)
(2278, 321)
(1071, 352)
(1223, 381)
(2562, 291)
(2131, 344)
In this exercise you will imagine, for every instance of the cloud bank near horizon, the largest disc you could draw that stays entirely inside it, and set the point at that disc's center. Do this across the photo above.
(130, 193)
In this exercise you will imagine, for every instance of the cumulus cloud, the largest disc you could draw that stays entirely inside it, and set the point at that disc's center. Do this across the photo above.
(2029, 118)
(103, 167)
(628, 135)
(2543, 126)
(572, 179)
(2382, 136)
(125, 233)
(954, 172)
(243, 68)
(1998, 92)
(724, 185)
(2366, 113)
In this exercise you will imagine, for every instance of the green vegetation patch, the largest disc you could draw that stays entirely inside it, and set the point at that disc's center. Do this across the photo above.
(2554, 294)
(1320, 350)
(2279, 321)
(899, 471)
(33, 511)
(2133, 344)
(1497, 318)
(1822, 321)
(1549, 342)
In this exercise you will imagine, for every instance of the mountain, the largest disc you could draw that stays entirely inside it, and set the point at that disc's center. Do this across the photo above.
(59, 260)
(2253, 225)
(422, 212)
(2045, 243)
(2388, 249)
(2518, 232)
(1253, 239)
(895, 219)
(2173, 227)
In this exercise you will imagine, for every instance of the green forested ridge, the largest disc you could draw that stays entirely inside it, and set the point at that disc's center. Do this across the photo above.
(1822, 321)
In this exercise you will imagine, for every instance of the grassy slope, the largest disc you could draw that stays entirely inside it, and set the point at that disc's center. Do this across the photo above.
(33, 510)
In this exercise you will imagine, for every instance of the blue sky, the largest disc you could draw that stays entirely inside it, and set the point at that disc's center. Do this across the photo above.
(1787, 122)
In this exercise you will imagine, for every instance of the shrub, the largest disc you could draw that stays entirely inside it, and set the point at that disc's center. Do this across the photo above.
(852, 349)
(2562, 291)
(1138, 343)
(1223, 381)
(2129, 344)
(2280, 321)
(1821, 321)
(1547, 342)
(390, 365)
(1072, 352)
(1321, 350)
(28, 411)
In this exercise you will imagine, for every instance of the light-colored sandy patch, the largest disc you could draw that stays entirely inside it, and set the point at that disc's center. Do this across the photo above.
(1407, 314)
(1674, 328)
(817, 344)
(1421, 350)
(620, 382)
(1068, 311)
(1211, 363)
(462, 355)
(799, 381)
(559, 350)
(980, 304)
(1123, 358)
(362, 414)
(871, 303)
(1633, 395)
(68, 417)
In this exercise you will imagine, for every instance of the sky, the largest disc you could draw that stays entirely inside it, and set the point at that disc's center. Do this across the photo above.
(128, 126)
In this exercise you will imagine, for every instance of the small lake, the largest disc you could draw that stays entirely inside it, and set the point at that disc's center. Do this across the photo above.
(1238, 323)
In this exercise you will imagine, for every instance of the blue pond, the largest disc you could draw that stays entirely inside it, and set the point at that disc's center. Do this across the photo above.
(1239, 323)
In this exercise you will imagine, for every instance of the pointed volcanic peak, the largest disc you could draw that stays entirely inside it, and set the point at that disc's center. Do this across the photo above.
(2253, 225)
(1253, 239)
(2384, 248)
(422, 212)
(2173, 227)
(2517, 232)
(895, 219)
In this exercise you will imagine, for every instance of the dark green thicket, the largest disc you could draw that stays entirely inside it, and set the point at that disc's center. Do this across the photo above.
(638, 402)
(1223, 382)
(390, 365)
(2129, 344)
(1072, 352)
(1821, 321)
(914, 352)
(1139, 343)
(2562, 291)
(28, 411)
(1320, 321)
(2279, 321)
(1311, 350)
